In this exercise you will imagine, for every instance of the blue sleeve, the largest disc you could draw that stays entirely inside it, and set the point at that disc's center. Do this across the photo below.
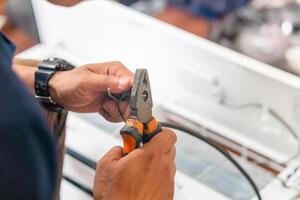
(210, 9)
(27, 151)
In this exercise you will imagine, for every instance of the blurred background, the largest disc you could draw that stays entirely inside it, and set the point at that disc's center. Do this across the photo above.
(229, 97)
(265, 30)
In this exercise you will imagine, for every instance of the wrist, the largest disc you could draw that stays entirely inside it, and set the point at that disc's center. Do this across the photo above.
(48, 81)
(53, 87)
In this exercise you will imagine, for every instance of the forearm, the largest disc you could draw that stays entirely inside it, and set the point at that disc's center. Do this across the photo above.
(25, 70)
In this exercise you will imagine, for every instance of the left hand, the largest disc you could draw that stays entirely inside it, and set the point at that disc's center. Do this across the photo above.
(84, 89)
(146, 173)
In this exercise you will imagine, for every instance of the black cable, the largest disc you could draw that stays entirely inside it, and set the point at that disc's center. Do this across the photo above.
(119, 110)
(284, 123)
(93, 164)
(222, 151)
(206, 140)
(117, 101)
(88, 162)
(84, 160)
(78, 185)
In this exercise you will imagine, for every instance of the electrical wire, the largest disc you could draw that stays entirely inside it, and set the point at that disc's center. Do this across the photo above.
(196, 134)
(83, 159)
(206, 140)
(218, 148)
(117, 101)
(88, 162)
(78, 185)
(222, 151)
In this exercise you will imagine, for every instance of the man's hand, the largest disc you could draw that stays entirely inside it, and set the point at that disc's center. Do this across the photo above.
(145, 174)
(84, 89)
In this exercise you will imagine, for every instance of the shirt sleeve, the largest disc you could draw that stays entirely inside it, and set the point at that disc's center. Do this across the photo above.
(27, 151)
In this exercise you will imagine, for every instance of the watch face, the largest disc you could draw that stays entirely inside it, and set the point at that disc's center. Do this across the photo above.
(58, 64)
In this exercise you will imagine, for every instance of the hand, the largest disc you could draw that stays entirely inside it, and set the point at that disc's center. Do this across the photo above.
(83, 89)
(146, 173)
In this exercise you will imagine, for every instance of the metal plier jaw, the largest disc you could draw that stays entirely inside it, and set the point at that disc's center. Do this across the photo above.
(141, 98)
(141, 126)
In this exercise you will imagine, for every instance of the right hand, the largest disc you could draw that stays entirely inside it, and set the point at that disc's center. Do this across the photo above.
(84, 89)
(146, 173)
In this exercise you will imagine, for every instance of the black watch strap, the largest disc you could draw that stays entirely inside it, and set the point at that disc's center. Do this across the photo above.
(46, 69)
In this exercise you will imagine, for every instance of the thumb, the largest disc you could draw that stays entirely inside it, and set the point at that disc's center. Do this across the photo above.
(101, 82)
(114, 154)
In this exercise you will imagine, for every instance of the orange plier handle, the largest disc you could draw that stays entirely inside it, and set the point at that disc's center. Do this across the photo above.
(134, 133)
(151, 128)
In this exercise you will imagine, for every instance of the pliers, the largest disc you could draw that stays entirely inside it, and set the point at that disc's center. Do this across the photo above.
(141, 126)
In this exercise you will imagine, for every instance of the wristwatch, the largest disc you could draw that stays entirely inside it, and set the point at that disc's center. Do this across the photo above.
(46, 69)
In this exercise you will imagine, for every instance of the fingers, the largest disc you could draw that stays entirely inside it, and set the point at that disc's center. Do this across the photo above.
(112, 155)
(114, 68)
(127, 111)
(122, 76)
(111, 112)
(163, 141)
(101, 82)
(108, 117)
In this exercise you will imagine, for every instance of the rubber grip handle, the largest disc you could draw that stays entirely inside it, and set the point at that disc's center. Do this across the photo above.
(151, 128)
(132, 135)
(130, 143)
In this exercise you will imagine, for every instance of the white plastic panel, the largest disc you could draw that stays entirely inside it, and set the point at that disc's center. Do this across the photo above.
(184, 70)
